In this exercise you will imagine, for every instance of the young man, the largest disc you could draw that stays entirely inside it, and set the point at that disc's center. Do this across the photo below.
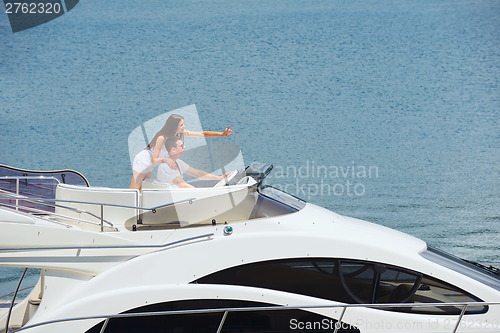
(175, 149)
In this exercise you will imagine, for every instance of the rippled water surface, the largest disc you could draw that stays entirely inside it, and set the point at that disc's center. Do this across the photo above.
(387, 111)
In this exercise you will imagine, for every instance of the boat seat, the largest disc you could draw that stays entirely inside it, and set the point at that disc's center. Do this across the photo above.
(194, 205)
(151, 184)
(400, 293)
(116, 196)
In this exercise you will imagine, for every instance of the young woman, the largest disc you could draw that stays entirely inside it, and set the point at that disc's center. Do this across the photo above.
(156, 152)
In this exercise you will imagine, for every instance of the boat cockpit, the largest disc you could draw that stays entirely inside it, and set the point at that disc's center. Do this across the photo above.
(66, 197)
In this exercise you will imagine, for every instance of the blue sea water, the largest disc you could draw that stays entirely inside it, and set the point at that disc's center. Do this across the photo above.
(383, 110)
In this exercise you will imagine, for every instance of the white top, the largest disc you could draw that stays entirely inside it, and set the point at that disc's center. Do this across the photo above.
(143, 161)
(167, 175)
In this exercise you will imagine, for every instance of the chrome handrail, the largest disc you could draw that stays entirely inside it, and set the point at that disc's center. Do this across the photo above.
(263, 308)
(59, 216)
(30, 177)
(12, 293)
(41, 201)
(17, 178)
(105, 246)
(153, 209)
(45, 201)
(14, 299)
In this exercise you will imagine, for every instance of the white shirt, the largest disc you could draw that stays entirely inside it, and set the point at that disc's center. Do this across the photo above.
(167, 175)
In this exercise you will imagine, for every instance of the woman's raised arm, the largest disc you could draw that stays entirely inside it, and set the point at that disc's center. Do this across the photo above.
(209, 134)
(156, 159)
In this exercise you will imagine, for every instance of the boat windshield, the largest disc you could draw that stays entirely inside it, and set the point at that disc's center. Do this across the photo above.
(282, 197)
(481, 273)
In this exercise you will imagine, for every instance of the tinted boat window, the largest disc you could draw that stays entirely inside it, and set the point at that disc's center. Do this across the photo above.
(317, 278)
(245, 321)
(396, 286)
(357, 278)
(349, 281)
(374, 283)
(435, 291)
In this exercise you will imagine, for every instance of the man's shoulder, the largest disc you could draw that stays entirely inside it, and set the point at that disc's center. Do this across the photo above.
(164, 167)
(165, 174)
(182, 164)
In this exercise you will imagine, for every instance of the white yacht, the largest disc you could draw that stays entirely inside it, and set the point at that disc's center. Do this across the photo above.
(244, 257)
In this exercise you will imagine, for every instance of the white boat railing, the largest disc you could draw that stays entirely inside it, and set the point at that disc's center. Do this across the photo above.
(55, 203)
(226, 311)
(18, 179)
(9, 313)
(52, 203)
(42, 213)
(13, 292)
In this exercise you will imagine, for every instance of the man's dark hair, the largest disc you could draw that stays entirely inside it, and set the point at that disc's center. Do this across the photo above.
(171, 142)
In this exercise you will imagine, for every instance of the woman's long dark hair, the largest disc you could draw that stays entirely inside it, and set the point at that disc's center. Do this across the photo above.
(168, 130)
